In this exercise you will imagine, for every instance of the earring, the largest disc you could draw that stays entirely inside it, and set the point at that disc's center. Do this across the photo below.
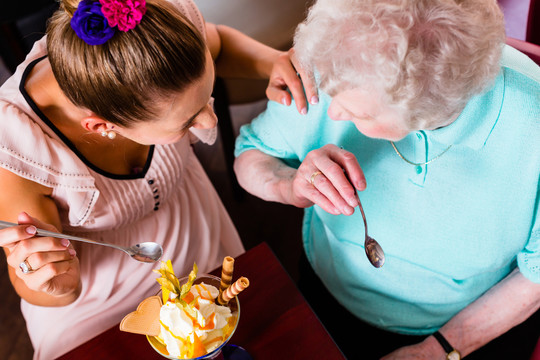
(110, 134)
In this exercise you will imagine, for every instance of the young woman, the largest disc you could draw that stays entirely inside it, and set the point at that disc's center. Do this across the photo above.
(96, 130)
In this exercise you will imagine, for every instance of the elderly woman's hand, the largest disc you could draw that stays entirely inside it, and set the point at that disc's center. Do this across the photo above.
(54, 266)
(429, 349)
(287, 75)
(321, 180)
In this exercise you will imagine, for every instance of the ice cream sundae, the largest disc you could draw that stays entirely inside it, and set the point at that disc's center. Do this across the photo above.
(193, 316)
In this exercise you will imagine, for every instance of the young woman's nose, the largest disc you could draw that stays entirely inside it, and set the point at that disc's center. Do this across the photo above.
(206, 119)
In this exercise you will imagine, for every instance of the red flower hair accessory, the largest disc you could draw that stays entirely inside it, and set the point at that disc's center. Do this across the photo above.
(125, 14)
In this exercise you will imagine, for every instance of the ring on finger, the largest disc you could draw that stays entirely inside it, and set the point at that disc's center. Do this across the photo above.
(313, 176)
(25, 267)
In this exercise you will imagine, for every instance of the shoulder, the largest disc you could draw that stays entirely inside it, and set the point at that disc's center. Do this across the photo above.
(288, 117)
(520, 63)
(16, 123)
(285, 122)
(29, 149)
(514, 104)
(190, 10)
(520, 80)
(283, 132)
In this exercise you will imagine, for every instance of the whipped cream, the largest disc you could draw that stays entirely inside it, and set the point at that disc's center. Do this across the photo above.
(204, 324)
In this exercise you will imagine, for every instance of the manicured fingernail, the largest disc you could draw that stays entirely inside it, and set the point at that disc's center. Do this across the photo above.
(72, 252)
(64, 242)
(303, 111)
(284, 101)
(31, 230)
(314, 100)
(352, 202)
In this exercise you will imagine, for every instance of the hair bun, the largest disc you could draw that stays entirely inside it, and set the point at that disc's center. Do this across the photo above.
(69, 6)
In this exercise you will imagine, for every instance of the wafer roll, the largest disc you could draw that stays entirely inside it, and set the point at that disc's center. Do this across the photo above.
(226, 275)
(234, 290)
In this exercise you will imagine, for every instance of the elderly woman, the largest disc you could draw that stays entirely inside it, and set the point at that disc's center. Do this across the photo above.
(422, 101)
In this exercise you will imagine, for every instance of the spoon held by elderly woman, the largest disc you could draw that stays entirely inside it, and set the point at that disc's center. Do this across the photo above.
(148, 252)
(374, 251)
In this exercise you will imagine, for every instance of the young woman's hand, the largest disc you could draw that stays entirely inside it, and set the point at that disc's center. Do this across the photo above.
(54, 265)
(323, 179)
(239, 56)
(287, 78)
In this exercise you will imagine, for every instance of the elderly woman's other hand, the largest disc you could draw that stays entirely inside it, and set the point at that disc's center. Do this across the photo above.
(321, 180)
(289, 77)
(429, 349)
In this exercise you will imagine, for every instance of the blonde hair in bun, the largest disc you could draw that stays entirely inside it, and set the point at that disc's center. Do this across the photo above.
(128, 78)
(69, 6)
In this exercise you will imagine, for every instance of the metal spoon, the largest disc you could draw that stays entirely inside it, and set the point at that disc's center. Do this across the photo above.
(374, 251)
(147, 252)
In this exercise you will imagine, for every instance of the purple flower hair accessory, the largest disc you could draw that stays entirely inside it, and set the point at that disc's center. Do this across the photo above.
(126, 14)
(90, 24)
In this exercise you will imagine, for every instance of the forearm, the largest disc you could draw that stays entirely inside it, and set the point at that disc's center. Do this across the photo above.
(506, 305)
(264, 176)
(49, 257)
(243, 57)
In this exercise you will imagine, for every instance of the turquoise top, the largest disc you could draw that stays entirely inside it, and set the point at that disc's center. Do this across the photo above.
(450, 229)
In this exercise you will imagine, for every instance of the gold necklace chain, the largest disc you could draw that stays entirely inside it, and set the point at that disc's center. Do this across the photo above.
(419, 164)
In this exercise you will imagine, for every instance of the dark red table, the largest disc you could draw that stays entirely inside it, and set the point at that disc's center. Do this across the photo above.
(275, 320)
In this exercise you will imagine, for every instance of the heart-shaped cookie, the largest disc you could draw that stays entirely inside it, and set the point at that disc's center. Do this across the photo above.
(144, 320)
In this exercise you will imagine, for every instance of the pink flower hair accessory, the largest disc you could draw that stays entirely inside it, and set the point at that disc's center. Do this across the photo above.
(125, 14)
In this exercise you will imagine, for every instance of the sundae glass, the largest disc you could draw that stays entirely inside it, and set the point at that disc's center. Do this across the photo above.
(194, 324)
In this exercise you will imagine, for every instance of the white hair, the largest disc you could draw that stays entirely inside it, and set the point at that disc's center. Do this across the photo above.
(427, 56)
